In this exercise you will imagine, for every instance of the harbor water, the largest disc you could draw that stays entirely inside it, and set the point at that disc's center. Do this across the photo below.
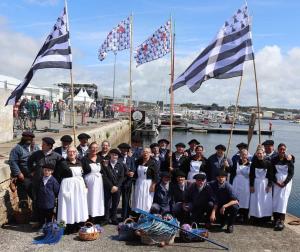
(284, 132)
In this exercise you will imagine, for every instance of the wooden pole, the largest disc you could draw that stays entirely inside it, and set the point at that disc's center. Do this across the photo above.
(130, 76)
(171, 89)
(257, 102)
(72, 84)
(234, 115)
(114, 80)
(72, 108)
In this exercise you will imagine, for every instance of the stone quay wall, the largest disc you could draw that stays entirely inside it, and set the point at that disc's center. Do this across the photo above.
(115, 132)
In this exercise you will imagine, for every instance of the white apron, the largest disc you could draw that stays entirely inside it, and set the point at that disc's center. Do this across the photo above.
(143, 199)
(281, 195)
(95, 196)
(72, 199)
(241, 185)
(194, 169)
(260, 200)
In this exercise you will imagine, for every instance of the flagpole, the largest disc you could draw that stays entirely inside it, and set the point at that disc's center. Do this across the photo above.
(72, 84)
(234, 115)
(114, 80)
(257, 102)
(171, 88)
(130, 75)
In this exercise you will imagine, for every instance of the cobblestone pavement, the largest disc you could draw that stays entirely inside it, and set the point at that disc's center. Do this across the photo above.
(244, 238)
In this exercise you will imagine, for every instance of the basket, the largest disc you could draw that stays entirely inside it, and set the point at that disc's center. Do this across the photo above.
(22, 215)
(89, 232)
(187, 237)
(126, 230)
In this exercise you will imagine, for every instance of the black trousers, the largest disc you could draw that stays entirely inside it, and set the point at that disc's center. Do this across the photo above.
(126, 195)
(229, 215)
(111, 203)
(45, 215)
(202, 214)
(278, 216)
(24, 189)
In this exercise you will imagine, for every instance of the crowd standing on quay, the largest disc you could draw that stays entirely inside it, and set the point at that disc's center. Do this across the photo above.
(33, 109)
(76, 184)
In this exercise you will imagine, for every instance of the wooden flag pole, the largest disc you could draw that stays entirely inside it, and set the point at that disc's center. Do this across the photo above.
(72, 84)
(130, 76)
(171, 89)
(114, 80)
(257, 101)
(234, 115)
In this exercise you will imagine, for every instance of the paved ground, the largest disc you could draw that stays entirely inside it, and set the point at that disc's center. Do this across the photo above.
(244, 238)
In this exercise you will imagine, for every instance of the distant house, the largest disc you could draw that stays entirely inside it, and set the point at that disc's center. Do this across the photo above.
(268, 115)
(288, 115)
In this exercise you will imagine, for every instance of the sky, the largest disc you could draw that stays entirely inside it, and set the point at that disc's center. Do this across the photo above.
(25, 24)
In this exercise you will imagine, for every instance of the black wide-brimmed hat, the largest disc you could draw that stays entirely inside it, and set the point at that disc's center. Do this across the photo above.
(268, 142)
(242, 145)
(48, 166)
(83, 136)
(180, 145)
(200, 176)
(164, 174)
(163, 140)
(124, 146)
(48, 140)
(153, 145)
(220, 147)
(114, 151)
(28, 134)
(222, 173)
(179, 173)
(194, 141)
(66, 139)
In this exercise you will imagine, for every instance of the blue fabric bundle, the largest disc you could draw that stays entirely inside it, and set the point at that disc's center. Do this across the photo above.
(52, 231)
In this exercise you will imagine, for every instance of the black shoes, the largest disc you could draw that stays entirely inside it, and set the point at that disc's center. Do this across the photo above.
(279, 225)
(229, 229)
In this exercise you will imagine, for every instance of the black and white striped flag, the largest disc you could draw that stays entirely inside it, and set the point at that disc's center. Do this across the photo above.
(55, 53)
(224, 57)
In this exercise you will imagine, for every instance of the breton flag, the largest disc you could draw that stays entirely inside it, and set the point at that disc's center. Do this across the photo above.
(55, 53)
(154, 47)
(224, 57)
(118, 39)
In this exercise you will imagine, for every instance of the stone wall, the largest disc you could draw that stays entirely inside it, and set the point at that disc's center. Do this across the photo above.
(6, 120)
(115, 132)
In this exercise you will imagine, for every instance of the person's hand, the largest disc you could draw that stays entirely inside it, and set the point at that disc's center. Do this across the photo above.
(171, 169)
(212, 217)
(20, 177)
(252, 190)
(289, 157)
(114, 189)
(152, 188)
(268, 189)
(226, 163)
(185, 207)
(222, 210)
(280, 184)
(186, 154)
(130, 174)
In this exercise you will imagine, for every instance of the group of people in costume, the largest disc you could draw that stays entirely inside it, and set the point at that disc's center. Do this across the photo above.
(87, 182)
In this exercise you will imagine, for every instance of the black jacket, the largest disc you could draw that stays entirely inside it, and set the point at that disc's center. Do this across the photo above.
(86, 164)
(47, 193)
(181, 164)
(290, 164)
(261, 164)
(200, 199)
(38, 159)
(177, 194)
(152, 171)
(113, 176)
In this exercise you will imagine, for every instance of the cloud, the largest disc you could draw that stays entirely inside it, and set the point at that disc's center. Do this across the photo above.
(277, 74)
